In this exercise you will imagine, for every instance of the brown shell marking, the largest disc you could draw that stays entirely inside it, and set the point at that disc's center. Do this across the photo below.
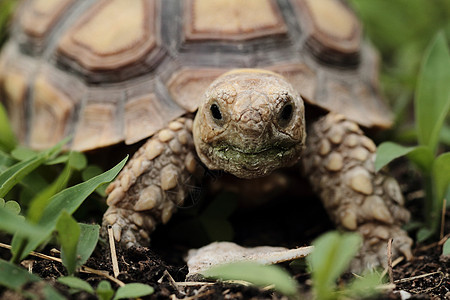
(51, 113)
(237, 20)
(15, 87)
(146, 115)
(333, 31)
(97, 127)
(99, 41)
(40, 16)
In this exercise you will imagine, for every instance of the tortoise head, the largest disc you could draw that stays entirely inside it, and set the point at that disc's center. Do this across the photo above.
(250, 123)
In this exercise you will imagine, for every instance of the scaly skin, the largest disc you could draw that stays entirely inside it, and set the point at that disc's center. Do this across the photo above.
(339, 163)
(153, 183)
(261, 126)
(250, 123)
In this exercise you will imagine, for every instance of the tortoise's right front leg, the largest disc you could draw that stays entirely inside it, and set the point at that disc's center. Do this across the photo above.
(153, 183)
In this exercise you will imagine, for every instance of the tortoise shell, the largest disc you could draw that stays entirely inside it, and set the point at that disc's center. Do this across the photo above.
(109, 71)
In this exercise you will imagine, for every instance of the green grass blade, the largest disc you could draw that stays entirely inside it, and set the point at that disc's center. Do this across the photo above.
(432, 97)
(441, 176)
(15, 173)
(69, 199)
(15, 224)
(388, 151)
(260, 275)
(446, 248)
(11, 176)
(104, 290)
(15, 278)
(7, 138)
(40, 201)
(133, 290)
(331, 257)
(76, 283)
(68, 235)
(88, 240)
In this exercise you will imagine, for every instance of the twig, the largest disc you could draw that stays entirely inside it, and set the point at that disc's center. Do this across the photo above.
(389, 257)
(439, 243)
(112, 247)
(172, 282)
(101, 273)
(37, 254)
(193, 283)
(83, 268)
(444, 205)
(417, 277)
(394, 263)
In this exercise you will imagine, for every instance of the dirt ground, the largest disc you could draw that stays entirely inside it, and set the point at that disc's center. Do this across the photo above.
(284, 223)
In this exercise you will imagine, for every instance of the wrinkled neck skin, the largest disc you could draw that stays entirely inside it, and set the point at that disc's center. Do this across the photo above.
(250, 122)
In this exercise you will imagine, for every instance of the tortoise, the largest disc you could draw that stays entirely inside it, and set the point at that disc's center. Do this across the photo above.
(258, 75)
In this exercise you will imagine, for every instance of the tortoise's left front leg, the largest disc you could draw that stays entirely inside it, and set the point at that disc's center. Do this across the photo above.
(339, 163)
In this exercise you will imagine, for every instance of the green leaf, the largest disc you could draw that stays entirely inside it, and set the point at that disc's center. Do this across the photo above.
(87, 242)
(69, 199)
(15, 277)
(15, 224)
(441, 176)
(104, 290)
(446, 248)
(363, 287)
(432, 98)
(22, 153)
(41, 200)
(13, 207)
(7, 138)
(15, 173)
(133, 290)
(257, 274)
(424, 234)
(332, 254)
(77, 160)
(5, 160)
(76, 283)
(423, 158)
(388, 151)
(68, 234)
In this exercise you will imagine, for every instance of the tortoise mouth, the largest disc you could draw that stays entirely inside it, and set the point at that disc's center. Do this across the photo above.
(252, 163)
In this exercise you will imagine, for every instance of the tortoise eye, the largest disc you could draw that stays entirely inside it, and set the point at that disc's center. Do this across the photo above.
(215, 112)
(285, 115)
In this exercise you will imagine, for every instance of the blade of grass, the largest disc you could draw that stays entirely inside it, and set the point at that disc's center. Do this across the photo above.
(69, 199)
(68, 235)
(7, 138)
(432, 98)
(88, 241)
(15, 278)
(260, 275)
(15, 173)
(15, 224)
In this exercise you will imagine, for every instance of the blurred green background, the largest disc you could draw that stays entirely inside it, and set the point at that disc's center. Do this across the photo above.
(401, 31)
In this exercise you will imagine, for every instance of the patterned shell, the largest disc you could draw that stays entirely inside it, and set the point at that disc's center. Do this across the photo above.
(109, 71)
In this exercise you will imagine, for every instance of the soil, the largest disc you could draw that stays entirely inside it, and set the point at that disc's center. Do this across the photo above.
(427, 276)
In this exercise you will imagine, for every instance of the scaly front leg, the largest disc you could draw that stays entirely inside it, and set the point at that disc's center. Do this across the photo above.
(153, 183)
(339, 162)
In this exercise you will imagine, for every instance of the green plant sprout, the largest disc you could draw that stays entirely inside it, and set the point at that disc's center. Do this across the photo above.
(432, 105)
(104, 290)
(331, 257)
(51, 206)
